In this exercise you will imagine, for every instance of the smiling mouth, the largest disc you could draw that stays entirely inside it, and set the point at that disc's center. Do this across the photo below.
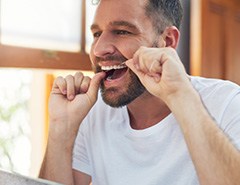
(114, 72)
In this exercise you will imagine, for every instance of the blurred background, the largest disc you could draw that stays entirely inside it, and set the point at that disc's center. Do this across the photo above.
(42, 39)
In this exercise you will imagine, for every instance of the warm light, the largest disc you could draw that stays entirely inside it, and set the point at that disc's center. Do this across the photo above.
(45, 24)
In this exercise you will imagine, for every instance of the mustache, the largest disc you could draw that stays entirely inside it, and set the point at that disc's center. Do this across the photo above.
(118, 58)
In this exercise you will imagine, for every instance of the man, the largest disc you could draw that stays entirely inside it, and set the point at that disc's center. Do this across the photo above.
(162, 127)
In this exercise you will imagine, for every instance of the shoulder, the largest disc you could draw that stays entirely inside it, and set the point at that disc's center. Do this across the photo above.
(218, 96)
(214, 87)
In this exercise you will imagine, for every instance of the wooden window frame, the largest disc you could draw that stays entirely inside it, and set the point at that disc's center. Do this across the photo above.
(22, 57)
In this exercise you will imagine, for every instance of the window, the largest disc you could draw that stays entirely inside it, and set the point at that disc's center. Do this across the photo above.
(45, 24)
(15, 146)
(39, 34)
(49, 34)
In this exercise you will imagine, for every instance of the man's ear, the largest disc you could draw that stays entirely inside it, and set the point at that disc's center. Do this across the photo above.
(171, 37)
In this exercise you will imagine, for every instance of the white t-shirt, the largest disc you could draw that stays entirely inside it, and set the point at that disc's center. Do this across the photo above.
(113, 153)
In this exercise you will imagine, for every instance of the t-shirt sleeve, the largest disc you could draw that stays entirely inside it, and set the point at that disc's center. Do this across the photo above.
(231, 120)
(80, 159)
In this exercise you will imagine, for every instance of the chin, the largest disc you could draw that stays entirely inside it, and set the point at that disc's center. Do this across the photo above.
(113, 98)
(119, 97)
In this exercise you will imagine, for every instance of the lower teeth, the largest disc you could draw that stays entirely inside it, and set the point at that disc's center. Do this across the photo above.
(109, 77)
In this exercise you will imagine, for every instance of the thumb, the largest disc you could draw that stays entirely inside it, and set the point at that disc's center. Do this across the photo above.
(94, 84)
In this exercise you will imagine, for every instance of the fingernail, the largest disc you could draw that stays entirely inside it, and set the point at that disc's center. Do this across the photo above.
(157, 79)
(71, 97)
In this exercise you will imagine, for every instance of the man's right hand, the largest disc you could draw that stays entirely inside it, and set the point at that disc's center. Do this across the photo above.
(70, 101)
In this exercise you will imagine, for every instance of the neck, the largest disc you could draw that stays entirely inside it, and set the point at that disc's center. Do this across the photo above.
(146, 111)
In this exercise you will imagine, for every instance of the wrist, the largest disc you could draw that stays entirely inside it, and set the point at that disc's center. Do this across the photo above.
(182, 97)
(61, 134)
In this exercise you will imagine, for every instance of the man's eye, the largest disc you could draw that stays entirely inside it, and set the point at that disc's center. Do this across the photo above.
(96, 34)
(121, 32)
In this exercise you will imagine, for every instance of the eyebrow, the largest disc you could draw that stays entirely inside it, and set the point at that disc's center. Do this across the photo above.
(118, 23)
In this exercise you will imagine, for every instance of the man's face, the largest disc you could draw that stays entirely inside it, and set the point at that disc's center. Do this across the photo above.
(119, 29)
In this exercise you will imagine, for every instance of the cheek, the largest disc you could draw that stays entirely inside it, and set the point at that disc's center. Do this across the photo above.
(128, 50)
(128, 47)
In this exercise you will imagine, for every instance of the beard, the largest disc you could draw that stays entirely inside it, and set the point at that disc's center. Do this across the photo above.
(134, 90)
(134, 87)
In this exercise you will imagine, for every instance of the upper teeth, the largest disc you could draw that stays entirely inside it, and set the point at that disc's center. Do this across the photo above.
(107, 68)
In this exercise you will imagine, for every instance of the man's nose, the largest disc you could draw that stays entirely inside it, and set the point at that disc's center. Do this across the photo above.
(104, 45)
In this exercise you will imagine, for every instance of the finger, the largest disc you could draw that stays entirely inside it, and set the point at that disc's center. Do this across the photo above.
(138, 59)
(95, 83)
(134, 68)
(70, 87)
(162, 42)
(143, 58)
(85, 84)
(155, 76)
(78, 78)
(140, 74)
(59, 86)
(155, 67)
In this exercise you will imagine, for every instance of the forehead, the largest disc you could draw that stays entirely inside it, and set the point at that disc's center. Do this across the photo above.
(132, 11)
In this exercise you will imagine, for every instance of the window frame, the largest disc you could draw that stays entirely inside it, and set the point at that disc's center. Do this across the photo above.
(23, 57)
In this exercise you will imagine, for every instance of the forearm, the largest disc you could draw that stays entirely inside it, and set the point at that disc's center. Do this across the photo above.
(57, 164)
(216, 160)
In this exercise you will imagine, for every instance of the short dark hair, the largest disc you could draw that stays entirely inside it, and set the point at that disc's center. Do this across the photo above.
(162, 13)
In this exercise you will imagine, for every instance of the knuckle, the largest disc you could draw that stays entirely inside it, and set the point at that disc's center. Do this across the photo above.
(171, 50)
(142, 48)
(60, 81)
(78, 74)
(86, 81)
(87, 78)
(78, 78)
(69, 77)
